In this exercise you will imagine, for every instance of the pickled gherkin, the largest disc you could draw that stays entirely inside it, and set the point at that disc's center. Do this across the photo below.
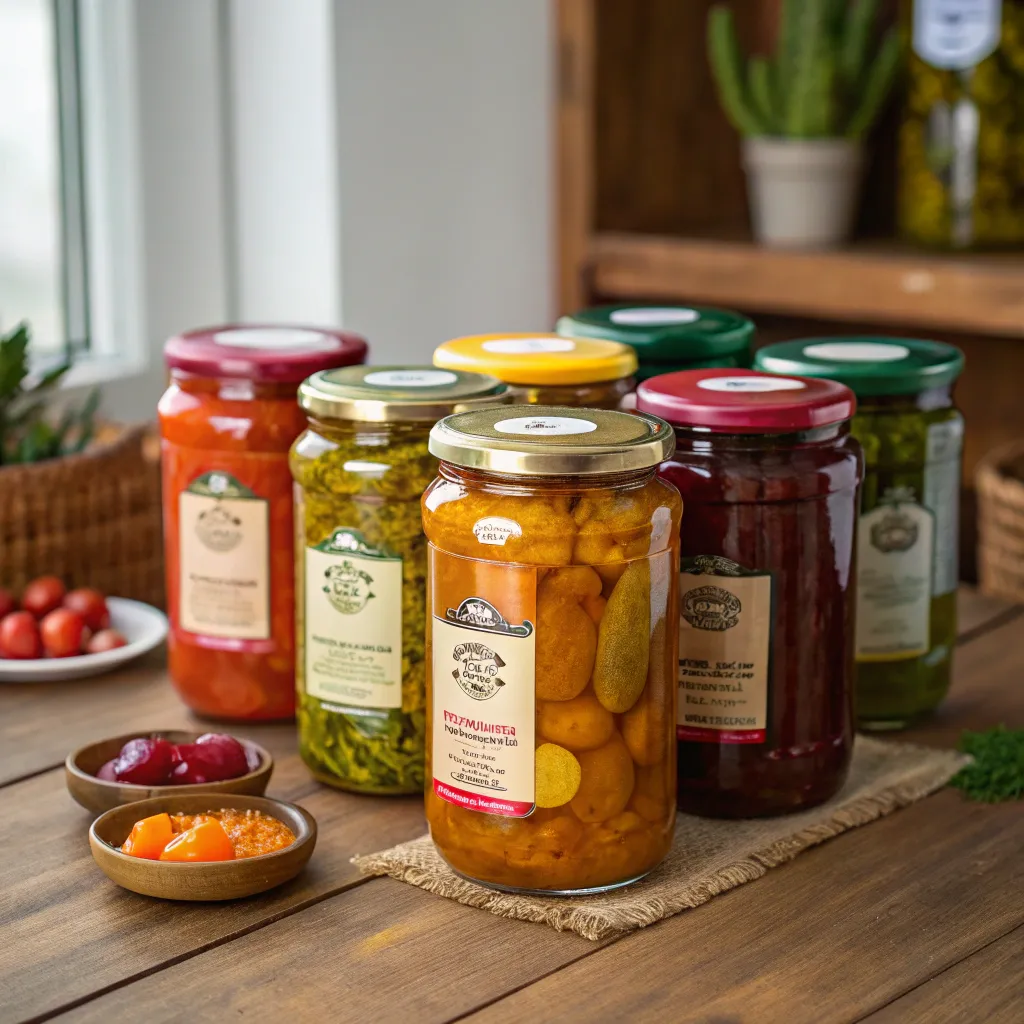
(360, 469)
(961, 145)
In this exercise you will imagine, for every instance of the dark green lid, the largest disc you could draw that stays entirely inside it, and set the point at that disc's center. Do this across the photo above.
(673, 335)
(867, 365)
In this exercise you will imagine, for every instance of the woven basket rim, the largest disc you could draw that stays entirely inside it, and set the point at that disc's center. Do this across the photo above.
(128, 438)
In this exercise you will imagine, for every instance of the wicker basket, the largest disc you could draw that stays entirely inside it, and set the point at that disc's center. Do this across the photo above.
(1000, 481)
(93, 519)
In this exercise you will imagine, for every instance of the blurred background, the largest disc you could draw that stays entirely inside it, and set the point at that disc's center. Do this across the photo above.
(416, 171)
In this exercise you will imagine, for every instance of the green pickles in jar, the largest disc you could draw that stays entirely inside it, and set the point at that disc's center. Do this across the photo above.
(908, 532)
(359, 470)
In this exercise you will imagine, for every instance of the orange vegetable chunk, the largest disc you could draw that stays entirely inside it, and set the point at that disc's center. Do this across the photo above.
(203, 842)
(149, 837)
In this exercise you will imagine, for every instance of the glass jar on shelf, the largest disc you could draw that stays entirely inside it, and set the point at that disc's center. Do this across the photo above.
(227, 421)
(553, 568)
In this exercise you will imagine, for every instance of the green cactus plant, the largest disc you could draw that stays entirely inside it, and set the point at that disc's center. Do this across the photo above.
(822, 81)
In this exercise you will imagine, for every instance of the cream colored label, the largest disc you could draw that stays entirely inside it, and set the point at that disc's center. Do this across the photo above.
(496, 530)
(956, 33)
(353, 623)
(224, 559)
(725, 628)
(894, 575)
(483, 709)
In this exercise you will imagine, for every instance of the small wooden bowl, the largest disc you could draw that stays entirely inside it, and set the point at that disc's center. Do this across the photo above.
(216, 880)
(98, 795)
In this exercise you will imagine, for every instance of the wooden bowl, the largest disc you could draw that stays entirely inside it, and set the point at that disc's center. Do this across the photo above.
(98, 795)
(216, 880)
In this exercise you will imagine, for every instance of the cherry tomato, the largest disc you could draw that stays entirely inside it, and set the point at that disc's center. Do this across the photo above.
(145, 762)
(105, 640)
(19, 636)
(64, 633)
(8, 603)
(91, 605)
(42, 595)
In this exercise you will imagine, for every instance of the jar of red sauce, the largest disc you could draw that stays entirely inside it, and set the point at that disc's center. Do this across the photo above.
(227, 422)
(770, 480)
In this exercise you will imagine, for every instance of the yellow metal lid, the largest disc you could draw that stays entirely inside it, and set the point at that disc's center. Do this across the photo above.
(538, 358)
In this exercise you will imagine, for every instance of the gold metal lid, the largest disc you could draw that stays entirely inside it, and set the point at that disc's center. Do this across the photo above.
(548, 440)
(383, 394)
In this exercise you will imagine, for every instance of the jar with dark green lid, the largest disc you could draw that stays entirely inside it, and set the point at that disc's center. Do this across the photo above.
(668, 338)
(912, 435)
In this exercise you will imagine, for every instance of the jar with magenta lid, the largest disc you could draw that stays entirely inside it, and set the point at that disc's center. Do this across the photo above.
(552, 576)
(360, 468)
(544, 369)
(227, 421)
(908, 543)
(769, 474)
(668, 338)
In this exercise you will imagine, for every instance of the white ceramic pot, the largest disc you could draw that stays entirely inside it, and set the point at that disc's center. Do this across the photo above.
(803, 192)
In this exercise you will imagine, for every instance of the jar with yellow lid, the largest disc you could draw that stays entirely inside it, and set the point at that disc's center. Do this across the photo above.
(360, 469)
(553, 566)
(543, 369)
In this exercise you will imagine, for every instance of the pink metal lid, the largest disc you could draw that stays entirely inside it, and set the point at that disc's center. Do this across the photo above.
(280, 353)
(745, 401)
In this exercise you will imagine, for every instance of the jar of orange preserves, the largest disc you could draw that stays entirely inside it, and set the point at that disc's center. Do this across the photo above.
(553, 567)
(227, 421)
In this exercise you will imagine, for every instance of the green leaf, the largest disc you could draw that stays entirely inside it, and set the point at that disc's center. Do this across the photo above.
(761, 88)
(997, 772)
(854, 43)
(727, 68)
(877, 86)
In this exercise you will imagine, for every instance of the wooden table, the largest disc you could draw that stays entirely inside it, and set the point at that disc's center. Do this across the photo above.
(918, 917)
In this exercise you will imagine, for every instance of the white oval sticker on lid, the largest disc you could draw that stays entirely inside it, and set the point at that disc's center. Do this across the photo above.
(653, 316)
(276, 338)
(857, 351)
(527, 346)
(544, 426)
(749, 384)
(409, 378)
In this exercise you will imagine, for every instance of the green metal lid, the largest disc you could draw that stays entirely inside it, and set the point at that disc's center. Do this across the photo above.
(381, 394)
(867, 365)
(673, 335)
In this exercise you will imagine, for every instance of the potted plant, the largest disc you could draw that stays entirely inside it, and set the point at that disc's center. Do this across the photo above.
(78, 499)
(804, 112)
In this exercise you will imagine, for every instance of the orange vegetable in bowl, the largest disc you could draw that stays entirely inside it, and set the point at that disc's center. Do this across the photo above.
(149, 837)
(203, 842)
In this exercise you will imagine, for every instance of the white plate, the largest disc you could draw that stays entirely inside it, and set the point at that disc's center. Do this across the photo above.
(141, 625)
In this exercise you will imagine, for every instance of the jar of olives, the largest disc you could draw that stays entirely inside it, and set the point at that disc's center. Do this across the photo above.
(360, 468)
(543, 369)
(668, 338)
(552, 575)
(908, 537)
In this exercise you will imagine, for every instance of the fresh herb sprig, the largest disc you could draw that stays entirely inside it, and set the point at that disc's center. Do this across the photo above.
(997, 772)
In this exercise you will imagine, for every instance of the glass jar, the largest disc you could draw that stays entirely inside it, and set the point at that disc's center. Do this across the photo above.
(769, 476)
(554, 554)
(227, 421)
(668, 338)
(360, 469)
(544, 369)
(961, 145)
(907, 564)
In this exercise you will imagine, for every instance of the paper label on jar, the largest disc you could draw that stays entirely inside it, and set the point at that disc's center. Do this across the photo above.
(224, 559)
(894, 573)
(483, 647)
(496, 530)
(725, 629)
(942, 497)
(353, 623)
(956, 34)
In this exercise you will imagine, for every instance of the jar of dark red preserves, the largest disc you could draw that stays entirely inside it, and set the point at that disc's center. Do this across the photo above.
(227, 421)
(770, 476)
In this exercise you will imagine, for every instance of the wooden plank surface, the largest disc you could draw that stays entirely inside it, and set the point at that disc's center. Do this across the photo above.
(974, 294)
(984, 987)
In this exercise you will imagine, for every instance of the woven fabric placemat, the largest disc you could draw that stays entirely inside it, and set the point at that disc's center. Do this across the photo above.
(708, 857)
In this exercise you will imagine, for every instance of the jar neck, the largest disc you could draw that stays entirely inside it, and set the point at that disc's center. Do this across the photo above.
(369, 433)
(922, 401)
(234, 389)
(697, 439)
(507, 483)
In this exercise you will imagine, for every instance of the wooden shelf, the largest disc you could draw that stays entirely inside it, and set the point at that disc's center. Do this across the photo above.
(975, 294)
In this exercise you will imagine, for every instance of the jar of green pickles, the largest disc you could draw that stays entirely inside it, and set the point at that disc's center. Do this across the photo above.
(360, 469)
(961, 148)
(907, 539)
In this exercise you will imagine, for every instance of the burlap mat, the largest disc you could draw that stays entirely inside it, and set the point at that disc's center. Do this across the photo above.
(707, 858)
